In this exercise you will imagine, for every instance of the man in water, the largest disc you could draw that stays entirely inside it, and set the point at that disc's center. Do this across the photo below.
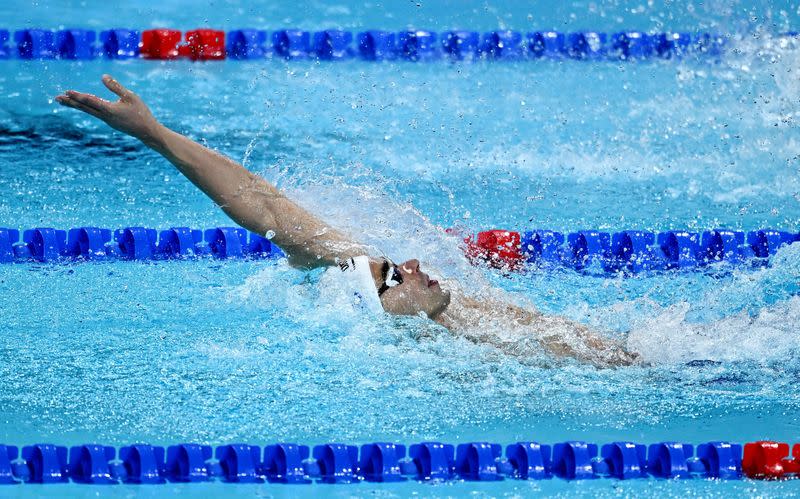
(402, 289)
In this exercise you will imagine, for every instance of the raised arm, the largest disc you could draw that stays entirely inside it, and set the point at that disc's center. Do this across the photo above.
(247, 198)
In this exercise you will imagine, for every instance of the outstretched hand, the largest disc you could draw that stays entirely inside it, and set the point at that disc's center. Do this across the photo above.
(128, 115)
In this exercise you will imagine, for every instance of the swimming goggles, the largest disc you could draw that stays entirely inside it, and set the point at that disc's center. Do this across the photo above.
(389, 280)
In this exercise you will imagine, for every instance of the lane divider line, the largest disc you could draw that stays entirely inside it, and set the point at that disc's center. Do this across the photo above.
(587, 251)
(370, 45)
(390, 462)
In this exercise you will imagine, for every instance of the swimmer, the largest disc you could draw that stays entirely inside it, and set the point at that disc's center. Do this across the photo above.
(309, 242)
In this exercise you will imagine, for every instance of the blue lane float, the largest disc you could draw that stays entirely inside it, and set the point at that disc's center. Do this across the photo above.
(766, 242)
(461, 45)
(292, 44)
(417, 45)
(44, 463)
(588, 248)
(75, 44)
(142, 464)
(240, 463)
(180, 242)
(35, 44)
(244, 44)
(633, 251)
(380, 462)
(44, 244)
(529, 460)
(478, 461)
(623, 460)
(573, 460)
(433, 461)
(376, 45)
(542, 246)
(632, 45)
(587, 45)
(386, 462)
(227, 242)
(91, 464)
(120, 43)
(710, 44)
(87, 242)
(285, 463)
(671, 460)
(332, 44)
(338, 463)
(679, 248)
(189, 463)
(546, 44)
(136, 243)
(506, 45)
(721, 460)
(668, 45)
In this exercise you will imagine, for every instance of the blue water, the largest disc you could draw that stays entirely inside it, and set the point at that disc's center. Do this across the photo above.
(218, 352)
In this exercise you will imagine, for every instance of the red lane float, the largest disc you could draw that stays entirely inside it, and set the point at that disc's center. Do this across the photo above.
(160, 44)
(204, 45)
(769, 460)
(500, 248)
(201, 44)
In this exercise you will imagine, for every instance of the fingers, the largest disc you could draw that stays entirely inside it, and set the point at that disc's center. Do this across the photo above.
(116, 86)
(67, 101)
(89, 100)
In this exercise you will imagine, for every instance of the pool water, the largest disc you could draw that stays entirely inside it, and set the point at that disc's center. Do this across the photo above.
(223, 351)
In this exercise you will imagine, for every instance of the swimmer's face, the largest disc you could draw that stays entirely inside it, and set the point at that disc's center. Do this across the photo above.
(416, 293)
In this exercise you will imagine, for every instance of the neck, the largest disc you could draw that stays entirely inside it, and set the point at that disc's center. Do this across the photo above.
(446, 318)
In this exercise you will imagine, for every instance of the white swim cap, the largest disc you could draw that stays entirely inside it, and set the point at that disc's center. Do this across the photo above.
(357, 282)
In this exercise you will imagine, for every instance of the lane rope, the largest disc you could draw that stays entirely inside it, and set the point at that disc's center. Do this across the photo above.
(370, 45)
(389, 462)
(591, 251)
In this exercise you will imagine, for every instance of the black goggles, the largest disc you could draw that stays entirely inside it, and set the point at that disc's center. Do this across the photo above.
(390, 275)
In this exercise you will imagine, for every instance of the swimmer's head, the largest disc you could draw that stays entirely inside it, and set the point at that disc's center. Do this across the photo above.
(405, 290)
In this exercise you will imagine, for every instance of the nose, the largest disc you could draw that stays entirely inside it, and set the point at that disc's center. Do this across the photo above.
(411, 266)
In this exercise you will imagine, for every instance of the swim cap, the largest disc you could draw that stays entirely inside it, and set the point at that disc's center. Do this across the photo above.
(358, 282)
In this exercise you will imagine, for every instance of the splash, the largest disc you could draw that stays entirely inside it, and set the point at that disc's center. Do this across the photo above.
(751, 317)
(671, 338)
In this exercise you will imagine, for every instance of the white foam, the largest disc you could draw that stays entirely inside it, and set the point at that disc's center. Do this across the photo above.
(752, 316)
(671, 338)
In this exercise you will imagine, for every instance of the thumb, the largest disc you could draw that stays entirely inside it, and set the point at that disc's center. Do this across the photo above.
(115, 86)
